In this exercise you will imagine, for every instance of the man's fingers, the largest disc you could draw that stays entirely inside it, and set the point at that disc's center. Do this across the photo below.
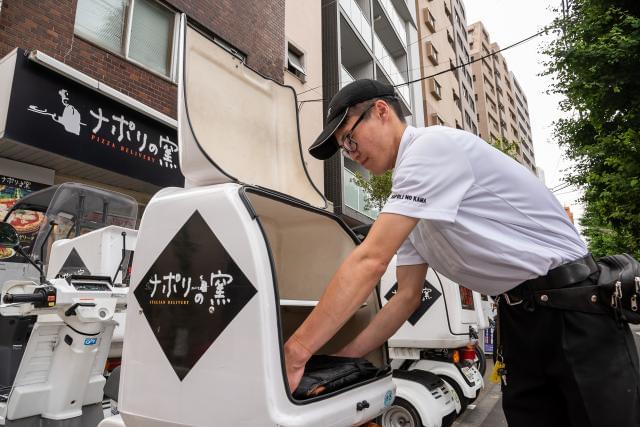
(294, 376)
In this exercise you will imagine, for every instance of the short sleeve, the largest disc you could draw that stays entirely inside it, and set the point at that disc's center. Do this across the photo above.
(408, 255)
(431, 179)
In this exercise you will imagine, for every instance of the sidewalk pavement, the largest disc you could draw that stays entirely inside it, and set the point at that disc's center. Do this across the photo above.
(486, 411)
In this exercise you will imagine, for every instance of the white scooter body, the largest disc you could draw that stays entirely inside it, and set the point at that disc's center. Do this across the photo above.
(102, 252)
(217, 289)
(61, 370)
(443, 321)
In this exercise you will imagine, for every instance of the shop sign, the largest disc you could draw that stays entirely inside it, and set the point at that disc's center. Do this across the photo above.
(56, 114)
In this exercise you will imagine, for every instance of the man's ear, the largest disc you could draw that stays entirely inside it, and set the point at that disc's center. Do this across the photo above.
(382, 109)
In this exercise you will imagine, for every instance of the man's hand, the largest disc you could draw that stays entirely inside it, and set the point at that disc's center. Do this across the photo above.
(295, 357)
(348, 289)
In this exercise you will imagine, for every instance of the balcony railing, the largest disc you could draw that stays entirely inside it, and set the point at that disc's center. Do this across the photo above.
(353, 11)
(396, 21)
(354, 196)
(386, 61)
(345, 77)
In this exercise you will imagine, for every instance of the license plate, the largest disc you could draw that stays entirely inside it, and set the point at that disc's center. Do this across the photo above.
(468, 373)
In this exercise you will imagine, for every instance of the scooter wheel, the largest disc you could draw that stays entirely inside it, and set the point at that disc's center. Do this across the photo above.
(464, 401)
(400, 414)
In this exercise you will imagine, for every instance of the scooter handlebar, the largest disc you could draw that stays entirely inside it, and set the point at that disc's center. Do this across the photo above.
(41, 297)
(17, 298)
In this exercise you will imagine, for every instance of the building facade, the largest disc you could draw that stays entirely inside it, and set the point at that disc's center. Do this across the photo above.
(303, 72)
(375, 39)
(447, 86)
(502, 110)
(88, 89)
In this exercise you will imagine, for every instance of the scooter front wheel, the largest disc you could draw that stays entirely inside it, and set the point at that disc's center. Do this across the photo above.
(400, 414)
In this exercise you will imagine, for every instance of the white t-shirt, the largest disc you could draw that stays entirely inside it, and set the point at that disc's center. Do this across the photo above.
(486, 221)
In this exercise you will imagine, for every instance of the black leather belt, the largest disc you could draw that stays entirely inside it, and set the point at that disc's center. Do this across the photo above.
(563, 276)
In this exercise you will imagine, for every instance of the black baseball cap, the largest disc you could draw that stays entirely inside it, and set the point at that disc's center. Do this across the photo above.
(354, 93)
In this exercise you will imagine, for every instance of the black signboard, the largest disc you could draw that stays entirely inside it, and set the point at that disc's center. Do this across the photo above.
(429, 296)
(51, 112)
(191, 293)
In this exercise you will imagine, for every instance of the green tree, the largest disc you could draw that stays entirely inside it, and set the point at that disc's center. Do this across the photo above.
(595, 66)
(377, 189)
(507, 147)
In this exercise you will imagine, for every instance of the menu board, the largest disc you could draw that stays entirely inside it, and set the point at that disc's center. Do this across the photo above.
(26, 222)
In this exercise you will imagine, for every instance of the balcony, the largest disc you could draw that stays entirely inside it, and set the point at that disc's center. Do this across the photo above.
(389, 66)
(396, 21)
(358, 20)
(345, 77)
(354, 196)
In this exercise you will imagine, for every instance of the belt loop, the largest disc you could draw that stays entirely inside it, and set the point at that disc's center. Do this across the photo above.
(529, 301)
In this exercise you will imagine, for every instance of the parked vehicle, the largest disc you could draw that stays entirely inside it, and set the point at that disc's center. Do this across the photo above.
(57, 324)
(439, 337)
(227, 269)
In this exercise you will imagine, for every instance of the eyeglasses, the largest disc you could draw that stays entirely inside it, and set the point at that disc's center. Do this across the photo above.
(350, 145)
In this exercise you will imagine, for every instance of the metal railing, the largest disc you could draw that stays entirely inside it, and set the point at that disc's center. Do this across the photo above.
(357, 18)
(387, 63)
(396, 20)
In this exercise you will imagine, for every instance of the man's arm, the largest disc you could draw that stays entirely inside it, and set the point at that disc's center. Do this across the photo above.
(347, 290)
(393, 314)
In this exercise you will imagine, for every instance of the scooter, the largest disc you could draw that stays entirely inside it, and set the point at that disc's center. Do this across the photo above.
(217, 290)
(439, 337)
(57, 327)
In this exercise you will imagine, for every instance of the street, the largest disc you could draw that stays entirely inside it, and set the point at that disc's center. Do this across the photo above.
(487, 409)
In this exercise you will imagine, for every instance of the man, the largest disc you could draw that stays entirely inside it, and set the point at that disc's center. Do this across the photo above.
(486, 222)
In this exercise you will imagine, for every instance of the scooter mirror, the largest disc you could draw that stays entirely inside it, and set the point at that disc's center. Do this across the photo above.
(8, 236)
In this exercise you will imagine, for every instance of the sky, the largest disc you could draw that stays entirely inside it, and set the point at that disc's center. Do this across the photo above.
(508, 21)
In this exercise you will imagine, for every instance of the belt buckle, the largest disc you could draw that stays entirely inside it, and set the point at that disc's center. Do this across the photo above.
(509, 302)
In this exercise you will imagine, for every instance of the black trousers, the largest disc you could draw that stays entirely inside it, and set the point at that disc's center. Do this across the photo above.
(567, 368)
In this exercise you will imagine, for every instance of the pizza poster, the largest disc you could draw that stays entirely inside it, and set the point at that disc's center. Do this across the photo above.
(26, 222)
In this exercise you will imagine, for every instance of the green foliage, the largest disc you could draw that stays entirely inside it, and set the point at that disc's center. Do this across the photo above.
(507, 147)
(595, 65)
(376, 187)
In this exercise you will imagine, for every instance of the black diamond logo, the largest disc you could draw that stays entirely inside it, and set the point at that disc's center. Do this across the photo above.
(429, 296)
(191, 293)
(73, 265)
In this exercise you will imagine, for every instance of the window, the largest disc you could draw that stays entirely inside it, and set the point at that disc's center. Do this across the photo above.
(435, 88)
(295, 62)
(450, 38)
(142, 31)
(432, 53)
(429, 20)
(437, 120)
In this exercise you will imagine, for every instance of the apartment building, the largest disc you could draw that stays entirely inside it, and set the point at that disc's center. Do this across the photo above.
(502, 110)
(375, 39)
(303, 72)
(448, 97)
(88, 89)
(467, 104)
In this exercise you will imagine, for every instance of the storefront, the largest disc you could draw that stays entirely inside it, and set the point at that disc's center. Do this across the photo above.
(59, 125)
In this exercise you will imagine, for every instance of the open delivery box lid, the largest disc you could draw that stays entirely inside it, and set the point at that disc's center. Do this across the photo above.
(237, 125)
